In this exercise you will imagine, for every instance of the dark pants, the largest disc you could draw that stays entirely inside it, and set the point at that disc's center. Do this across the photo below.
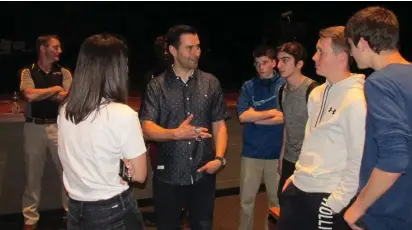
(119, 212)
(302, 210)
(287, 170)
(170, 199)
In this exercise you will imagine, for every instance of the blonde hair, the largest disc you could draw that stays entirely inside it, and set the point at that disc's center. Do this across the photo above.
(339, 41)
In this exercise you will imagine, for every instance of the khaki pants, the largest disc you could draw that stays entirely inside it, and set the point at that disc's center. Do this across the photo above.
(251, 173)
(38, 140)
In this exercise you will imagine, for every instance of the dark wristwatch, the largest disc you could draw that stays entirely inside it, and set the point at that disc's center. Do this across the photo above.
(221, 159)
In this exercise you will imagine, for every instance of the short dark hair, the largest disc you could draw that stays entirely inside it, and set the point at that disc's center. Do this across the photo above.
(295, 49)
(161, 52)
(266, 51)
(101, 73)
(173, 34)
(159, 46)
(43, 40)
(377, 25)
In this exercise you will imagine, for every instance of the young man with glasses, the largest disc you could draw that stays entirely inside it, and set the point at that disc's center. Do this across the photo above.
(262, 134)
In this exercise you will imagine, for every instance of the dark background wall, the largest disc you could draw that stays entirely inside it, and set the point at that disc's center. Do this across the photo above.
(229, 31)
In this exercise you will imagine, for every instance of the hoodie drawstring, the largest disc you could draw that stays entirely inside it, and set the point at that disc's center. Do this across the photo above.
(322, 108)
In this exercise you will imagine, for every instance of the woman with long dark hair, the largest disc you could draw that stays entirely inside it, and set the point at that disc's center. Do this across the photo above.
(97, 130)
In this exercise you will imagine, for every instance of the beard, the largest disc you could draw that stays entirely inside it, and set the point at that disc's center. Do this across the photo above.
(189, 63)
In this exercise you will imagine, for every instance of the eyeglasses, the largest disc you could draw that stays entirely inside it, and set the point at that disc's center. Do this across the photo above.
(260, 63)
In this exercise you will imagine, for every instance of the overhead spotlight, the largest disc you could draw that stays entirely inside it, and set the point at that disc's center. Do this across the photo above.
(286, 15)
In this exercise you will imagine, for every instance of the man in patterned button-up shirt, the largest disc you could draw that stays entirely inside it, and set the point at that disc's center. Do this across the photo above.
(184, 111)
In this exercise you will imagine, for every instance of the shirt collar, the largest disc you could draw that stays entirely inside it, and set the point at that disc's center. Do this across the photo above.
(172, 75)
(54, 68)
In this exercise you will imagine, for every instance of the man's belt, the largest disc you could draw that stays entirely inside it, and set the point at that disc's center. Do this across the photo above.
(41, 121)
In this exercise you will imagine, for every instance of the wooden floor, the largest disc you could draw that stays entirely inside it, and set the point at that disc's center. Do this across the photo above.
(226, 216)
(134, 102)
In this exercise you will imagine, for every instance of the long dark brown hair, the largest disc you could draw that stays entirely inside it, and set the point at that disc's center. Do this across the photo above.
(101, 73)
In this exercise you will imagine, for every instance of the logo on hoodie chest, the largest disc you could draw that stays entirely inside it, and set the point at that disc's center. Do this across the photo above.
(327, 114)
(257, 103)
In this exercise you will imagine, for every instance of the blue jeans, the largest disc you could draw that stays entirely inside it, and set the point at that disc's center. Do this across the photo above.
(119, 212)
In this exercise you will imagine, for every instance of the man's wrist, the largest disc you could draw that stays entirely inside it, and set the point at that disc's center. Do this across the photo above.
(222, 160)
(173, 134)
(56, 89)
(359, 205)
(269, 114)
(218, 161)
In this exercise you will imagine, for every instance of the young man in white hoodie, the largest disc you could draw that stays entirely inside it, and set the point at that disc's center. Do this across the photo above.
(327, 172)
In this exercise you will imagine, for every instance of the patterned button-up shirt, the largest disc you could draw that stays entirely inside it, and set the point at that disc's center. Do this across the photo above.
(168, 101)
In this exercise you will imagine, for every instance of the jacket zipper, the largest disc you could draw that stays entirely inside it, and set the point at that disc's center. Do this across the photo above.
(322, 108)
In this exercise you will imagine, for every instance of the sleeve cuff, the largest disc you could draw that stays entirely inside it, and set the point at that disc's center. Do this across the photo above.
(221, 118)
(334, 204)
(140, 152)
(144, 118)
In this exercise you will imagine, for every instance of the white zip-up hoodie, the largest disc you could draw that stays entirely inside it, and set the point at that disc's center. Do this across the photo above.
(332, 150)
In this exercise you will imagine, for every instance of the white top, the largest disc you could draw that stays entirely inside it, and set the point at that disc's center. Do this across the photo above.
(90, 152)
(332, 150)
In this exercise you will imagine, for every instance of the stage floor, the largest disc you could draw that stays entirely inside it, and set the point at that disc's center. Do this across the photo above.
(134, 102)
(226, 216)
(226, 208)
